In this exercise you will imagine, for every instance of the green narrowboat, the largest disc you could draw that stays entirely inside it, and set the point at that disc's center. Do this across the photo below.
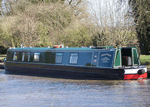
(107, 61)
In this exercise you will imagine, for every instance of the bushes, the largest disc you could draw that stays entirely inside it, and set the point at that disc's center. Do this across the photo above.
(3, 50)
(44, 24)
(49, 22)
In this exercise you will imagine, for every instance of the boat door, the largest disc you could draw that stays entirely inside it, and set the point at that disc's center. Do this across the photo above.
(126, 54)
(129, 56)
(135, 58)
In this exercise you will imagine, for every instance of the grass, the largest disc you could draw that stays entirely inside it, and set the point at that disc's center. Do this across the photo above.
(145, 59)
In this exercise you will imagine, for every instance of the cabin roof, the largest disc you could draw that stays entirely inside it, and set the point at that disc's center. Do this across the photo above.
(68, 48)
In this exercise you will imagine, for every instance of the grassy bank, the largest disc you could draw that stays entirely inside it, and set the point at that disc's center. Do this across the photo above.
(145, 60)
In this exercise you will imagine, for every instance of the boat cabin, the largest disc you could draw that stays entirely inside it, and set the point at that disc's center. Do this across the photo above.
(101, 57)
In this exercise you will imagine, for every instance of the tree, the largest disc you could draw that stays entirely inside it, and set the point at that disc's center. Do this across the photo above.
(43, 24)
(46, 1)
(140, 11)
(113, 28)
(77, 35)
(0, 7)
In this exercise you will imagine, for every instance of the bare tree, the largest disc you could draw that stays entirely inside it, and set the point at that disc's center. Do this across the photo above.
(113, 28)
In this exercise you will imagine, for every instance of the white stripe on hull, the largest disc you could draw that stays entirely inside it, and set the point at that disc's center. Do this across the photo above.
(134, 70)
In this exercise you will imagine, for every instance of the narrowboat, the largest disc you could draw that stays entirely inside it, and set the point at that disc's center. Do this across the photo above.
(106, 61)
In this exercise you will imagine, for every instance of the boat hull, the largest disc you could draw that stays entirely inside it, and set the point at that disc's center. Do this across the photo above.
(134, 76)
(134, 73)
(34, 68)
(39, 68)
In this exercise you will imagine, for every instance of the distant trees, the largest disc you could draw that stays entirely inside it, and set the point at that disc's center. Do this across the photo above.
(112, 26)
(140, 11)
(0, 7)
(44, 24)
(46, 1)
(6, 6)
(50, 22)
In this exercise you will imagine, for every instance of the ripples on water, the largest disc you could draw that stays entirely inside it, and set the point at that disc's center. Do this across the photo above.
(31, 91)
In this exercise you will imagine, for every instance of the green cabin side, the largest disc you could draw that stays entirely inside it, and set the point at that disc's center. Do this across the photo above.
(126, 56)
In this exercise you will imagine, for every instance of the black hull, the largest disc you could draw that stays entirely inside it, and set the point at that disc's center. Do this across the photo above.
(61, 70)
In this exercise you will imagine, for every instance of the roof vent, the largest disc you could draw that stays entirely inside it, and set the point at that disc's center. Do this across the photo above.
(58, 46)
(83, 47)
(97, 47)
(103, 47)
(90, 46)
(22, 45)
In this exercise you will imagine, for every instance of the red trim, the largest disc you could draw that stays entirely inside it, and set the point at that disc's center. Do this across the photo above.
(134, 76)
(55, 46)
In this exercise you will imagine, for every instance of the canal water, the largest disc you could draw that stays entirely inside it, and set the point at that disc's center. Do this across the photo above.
(35, 91)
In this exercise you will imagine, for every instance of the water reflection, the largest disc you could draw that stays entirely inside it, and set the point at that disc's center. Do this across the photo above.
(20, 90)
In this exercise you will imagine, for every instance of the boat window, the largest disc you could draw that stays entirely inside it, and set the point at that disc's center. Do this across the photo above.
(36, 56)
(59, 57)
(16, 56)
(26, 56)
(74, 58)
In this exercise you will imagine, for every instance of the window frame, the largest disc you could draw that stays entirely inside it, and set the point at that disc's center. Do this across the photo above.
(36, 53)
(26, 53)
(70, 62)
(59, 55)
(15, 54)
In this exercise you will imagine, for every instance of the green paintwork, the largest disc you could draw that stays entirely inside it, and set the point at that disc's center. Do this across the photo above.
(9, 56)
(135, 56)
(117, 60)
(50, 57)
